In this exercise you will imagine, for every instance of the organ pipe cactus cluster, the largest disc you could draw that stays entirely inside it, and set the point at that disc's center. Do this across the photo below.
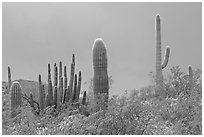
(100, 78)
(16, 98)
(159, 65)
(9, 78)
(62, 92)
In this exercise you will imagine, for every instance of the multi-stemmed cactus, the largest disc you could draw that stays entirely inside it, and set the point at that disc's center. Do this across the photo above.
(15, 97)
(100, 79)
(9, 78)
(159, 65)
(63, 93)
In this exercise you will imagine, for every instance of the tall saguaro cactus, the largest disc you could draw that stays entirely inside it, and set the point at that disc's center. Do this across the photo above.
(159, 65)
(9, 79)
(100, 79)
(15, 97)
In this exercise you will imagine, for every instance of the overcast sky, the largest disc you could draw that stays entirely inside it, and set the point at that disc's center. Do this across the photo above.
(35, 34)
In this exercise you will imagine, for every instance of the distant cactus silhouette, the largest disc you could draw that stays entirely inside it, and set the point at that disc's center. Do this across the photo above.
(100, 79)
(9, 79)
(159, 66)
(16, 97)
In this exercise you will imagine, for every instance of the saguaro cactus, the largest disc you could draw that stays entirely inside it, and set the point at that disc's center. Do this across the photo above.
(15, 97)
(100, 79)
(159, 66)
(9, 79)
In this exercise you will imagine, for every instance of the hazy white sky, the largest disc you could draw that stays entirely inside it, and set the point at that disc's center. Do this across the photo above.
(35, 34)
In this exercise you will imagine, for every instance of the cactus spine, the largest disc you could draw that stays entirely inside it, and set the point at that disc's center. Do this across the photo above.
(100, 79)
(15, 97)
(159, 66)
(9, 79)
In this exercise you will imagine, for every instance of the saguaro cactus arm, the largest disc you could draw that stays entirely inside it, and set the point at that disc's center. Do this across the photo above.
(166, 59)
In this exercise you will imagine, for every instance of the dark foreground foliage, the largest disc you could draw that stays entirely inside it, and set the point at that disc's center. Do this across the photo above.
(140, 112)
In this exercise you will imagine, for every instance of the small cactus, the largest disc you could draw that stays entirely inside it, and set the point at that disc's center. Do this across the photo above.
(31, 100)
(159, 66)
(100, 79)
(9, 79)
(16, 97)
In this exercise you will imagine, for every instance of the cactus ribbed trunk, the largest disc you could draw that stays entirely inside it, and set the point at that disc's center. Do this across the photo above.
(71, 80)
(60, 90)
(74, 90)
(9, 79)
(159, 65)
(78, 88)
(16, 98)
(100, 79)
(50, 89)
(55, 85)
(65, 85)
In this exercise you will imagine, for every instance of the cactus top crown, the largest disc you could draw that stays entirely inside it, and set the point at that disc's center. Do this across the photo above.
(16, 85)
(99, 44)
(99, 55)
